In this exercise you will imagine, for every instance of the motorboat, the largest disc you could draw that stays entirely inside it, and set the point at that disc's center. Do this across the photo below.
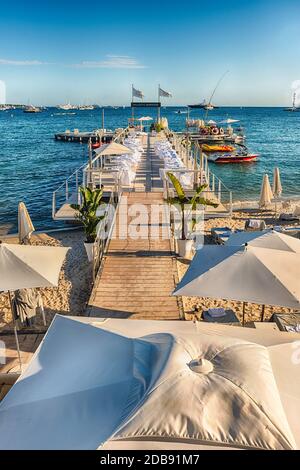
(217, 148)
(198, 105)
(239, 155)
(86, 108)
(67, 106)
(233, 158)
(31, 109)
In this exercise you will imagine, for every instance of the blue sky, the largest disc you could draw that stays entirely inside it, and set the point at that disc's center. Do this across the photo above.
(55, 51)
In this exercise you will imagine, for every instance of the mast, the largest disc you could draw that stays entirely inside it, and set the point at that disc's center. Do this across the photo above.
(215, 89)
(294, 100)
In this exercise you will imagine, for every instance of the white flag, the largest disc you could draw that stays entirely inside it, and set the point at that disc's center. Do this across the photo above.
(164, 93)
(137, 93)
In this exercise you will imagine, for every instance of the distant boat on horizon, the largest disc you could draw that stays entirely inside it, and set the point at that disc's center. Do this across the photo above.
(32, 109)
(67, 106)
(294, 108)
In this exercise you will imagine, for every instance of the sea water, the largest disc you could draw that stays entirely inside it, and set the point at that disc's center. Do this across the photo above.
(33, 164)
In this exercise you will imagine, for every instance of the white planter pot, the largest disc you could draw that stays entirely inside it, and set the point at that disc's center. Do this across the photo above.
(89, 250)
(184, 247)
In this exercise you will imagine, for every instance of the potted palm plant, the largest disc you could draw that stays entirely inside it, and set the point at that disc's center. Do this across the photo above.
(184, 244)
(86, 213)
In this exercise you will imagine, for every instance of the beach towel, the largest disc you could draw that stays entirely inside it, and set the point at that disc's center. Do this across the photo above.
(216, 312)
(26, 304)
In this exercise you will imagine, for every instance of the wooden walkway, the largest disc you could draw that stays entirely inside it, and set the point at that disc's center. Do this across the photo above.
(139, 271)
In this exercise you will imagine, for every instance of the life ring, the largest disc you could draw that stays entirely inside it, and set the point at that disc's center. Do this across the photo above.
(215, 131)
(96, 145)
(221, 131)
(204, 131)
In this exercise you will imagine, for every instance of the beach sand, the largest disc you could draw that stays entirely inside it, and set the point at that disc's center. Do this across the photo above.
(253, 311)
(75, 282)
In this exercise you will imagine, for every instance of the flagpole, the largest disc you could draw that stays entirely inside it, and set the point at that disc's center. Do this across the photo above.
(132, 109)
(158, 108)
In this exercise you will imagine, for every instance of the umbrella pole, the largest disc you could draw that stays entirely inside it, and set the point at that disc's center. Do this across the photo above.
(15, 332)
(244, 312)
(263, 313)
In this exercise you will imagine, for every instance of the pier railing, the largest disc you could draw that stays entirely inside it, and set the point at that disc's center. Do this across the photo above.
(216, 191)
(68, 191)
(89, 174)
(196, 162)
(104, 233)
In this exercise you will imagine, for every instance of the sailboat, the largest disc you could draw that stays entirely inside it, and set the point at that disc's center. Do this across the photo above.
(209, 106)
(294, 107)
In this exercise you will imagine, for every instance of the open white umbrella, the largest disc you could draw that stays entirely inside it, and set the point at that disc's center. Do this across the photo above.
(25, 225)
(229, 121)
(25, 267)
(265, 239)
(266, 194)
(143, 119)
(156, 385)
(244, 273)
(113, 148)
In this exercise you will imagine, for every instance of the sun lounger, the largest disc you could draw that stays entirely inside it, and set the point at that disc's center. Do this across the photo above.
(287, 321)
(255, 224)
(294, 231)
(221, 234)
(289, 217)
(227, 316)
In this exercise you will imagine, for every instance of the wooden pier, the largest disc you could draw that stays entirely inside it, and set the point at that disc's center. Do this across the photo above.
(138, 275)
(83, 137)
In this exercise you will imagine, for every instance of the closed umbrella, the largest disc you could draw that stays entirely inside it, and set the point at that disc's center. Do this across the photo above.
(277, 188)
(265, 239)
(23, 266)
(266, 194)
(244, 273)
(25, 225)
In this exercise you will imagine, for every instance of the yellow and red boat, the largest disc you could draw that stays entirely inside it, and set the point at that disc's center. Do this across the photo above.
(234, 158)
(217, 148)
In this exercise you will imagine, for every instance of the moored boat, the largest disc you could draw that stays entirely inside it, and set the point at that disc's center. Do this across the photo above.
(233, 158)
(217, 148)
(31, 109)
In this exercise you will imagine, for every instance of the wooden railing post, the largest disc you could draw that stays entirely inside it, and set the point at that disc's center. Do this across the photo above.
(53, 204)
(219, 191)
